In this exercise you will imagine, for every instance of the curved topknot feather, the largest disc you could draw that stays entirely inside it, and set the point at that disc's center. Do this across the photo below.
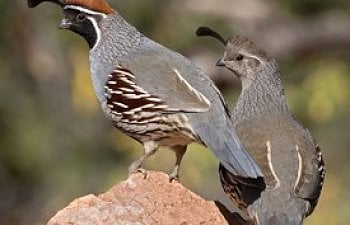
(207, 31)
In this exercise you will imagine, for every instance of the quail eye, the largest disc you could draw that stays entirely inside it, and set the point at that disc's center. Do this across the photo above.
(80, 17)
(239, 57)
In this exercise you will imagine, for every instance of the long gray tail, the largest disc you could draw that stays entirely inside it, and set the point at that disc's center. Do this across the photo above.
(225, 144)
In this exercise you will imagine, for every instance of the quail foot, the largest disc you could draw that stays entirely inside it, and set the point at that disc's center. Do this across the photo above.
(289, 157)
(151, 93)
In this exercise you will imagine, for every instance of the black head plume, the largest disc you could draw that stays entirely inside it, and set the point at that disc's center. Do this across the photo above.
(206, 31)
(34, 3)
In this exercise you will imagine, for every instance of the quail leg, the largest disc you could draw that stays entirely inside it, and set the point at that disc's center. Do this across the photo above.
(180, 152)
(149, 149)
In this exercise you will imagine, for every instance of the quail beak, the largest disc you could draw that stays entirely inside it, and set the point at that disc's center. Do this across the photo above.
(65, 24)
(221, 62)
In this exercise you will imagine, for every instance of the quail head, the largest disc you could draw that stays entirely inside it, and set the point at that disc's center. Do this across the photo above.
(289, 157)
(153, 94)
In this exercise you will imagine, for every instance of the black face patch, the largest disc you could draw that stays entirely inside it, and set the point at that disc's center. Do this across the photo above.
(81, 24)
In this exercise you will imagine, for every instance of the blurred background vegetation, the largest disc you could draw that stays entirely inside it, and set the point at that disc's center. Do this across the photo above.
(56, 145)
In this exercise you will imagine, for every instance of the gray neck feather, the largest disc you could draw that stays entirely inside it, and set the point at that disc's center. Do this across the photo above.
(118, 39)
(263, 98)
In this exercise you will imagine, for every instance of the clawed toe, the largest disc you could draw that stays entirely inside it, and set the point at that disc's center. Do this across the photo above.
(173, 177)
(138, 170)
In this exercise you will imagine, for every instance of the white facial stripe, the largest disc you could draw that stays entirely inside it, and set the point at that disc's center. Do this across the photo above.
(84, 10)
(97, 30)
(253, 56)
(91, 19)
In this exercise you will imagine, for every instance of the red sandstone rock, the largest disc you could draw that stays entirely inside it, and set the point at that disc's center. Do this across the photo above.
(139, 201)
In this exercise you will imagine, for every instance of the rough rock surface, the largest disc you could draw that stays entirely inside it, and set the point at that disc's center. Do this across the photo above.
(142, 201)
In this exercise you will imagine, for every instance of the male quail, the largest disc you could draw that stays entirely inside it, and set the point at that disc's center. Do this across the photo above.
(151, 93)
(289, 157)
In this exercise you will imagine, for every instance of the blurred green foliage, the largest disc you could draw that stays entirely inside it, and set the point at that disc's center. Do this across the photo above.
(56, 145)
(313, 7)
